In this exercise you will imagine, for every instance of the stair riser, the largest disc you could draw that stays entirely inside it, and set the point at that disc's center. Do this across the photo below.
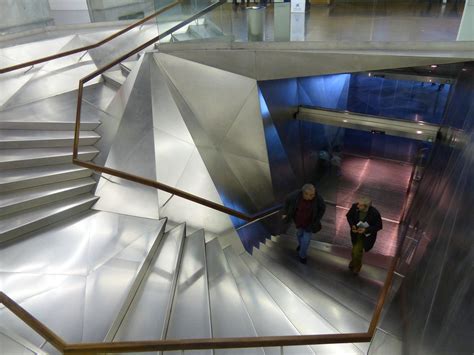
(45, 199)
(48, 126)
(11, 234)
(51, 143)
(44, 161)
(44, 180)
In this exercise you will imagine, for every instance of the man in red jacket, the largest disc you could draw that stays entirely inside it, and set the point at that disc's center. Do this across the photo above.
(306, 208)
(365, 221)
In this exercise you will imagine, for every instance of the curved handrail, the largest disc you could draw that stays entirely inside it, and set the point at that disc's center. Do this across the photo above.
(91, 46)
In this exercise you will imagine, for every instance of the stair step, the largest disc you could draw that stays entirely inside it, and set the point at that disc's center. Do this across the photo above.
(19, 223)
(148, 315)
(379, 261)
(305, 319)
(190, 315)
(19, 200)
(14, 139)
(16, 179)
(370, 279)
(115, 78)
(226, 302)
(204, 31)
(262, 308)
(344, 294)
(127, 67)
(187, 36)
(27, 124)
(341, 318)
(21, 158)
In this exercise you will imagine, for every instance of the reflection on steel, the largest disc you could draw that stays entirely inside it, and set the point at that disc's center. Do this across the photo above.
(401, 128)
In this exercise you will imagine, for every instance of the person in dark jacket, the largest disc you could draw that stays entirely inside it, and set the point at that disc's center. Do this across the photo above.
(365, 221)
(305, 208)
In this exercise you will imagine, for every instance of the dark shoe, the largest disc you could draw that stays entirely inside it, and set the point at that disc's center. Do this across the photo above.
(298, 248)
(302, 260)
(350, 266)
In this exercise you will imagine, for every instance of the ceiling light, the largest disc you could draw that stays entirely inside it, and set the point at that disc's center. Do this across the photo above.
(419, 132)
(433, 66)
(344, 120)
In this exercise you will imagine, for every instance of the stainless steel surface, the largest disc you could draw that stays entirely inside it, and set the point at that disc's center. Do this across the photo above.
(16, 224)
(85, 270)
(359, 304)
(132, 150)
(15, 201)
(436, 292)
(305, 319)
(29, 177)
(262, 308)
(225, 302)
(147, 317)
(190, 314)
(9, 344)
(29, 157)
(408, 129)
(338, 315)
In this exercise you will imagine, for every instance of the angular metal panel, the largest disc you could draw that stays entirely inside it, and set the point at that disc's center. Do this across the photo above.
(166, 115)
(254, 177)
(246, 137)
(133, 151)
(215, 96)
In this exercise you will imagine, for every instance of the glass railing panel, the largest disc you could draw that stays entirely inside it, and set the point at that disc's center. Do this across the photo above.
(330, 21)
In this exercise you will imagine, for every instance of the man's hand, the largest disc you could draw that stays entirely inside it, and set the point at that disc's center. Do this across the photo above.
(361, 230)
(354, 229)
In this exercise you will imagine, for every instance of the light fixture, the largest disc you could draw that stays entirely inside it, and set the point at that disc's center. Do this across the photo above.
(370, 74)
(433, 66)
(419, 132)
(344, 120)
(464, 69)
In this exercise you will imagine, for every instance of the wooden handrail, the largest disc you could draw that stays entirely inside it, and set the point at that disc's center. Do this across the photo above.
(32, 322)
(200, 344)
(216, 343)
(91, 46)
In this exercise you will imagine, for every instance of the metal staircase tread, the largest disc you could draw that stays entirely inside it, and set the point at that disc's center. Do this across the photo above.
(19, 158)
(357, 302)
(15, 139)
(14, 201)
(114, 77)
(342, 318)
(16, 224)
(226, 302)
(304, 318)
(51, 125)
(373, 277)
(262, 308)
(41, 175)
(190, 314)
(378, 261)
(148, 314)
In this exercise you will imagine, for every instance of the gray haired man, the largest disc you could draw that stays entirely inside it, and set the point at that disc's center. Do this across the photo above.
(306, 208)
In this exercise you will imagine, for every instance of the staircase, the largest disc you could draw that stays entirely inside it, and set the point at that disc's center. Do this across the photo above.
(186, 288)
